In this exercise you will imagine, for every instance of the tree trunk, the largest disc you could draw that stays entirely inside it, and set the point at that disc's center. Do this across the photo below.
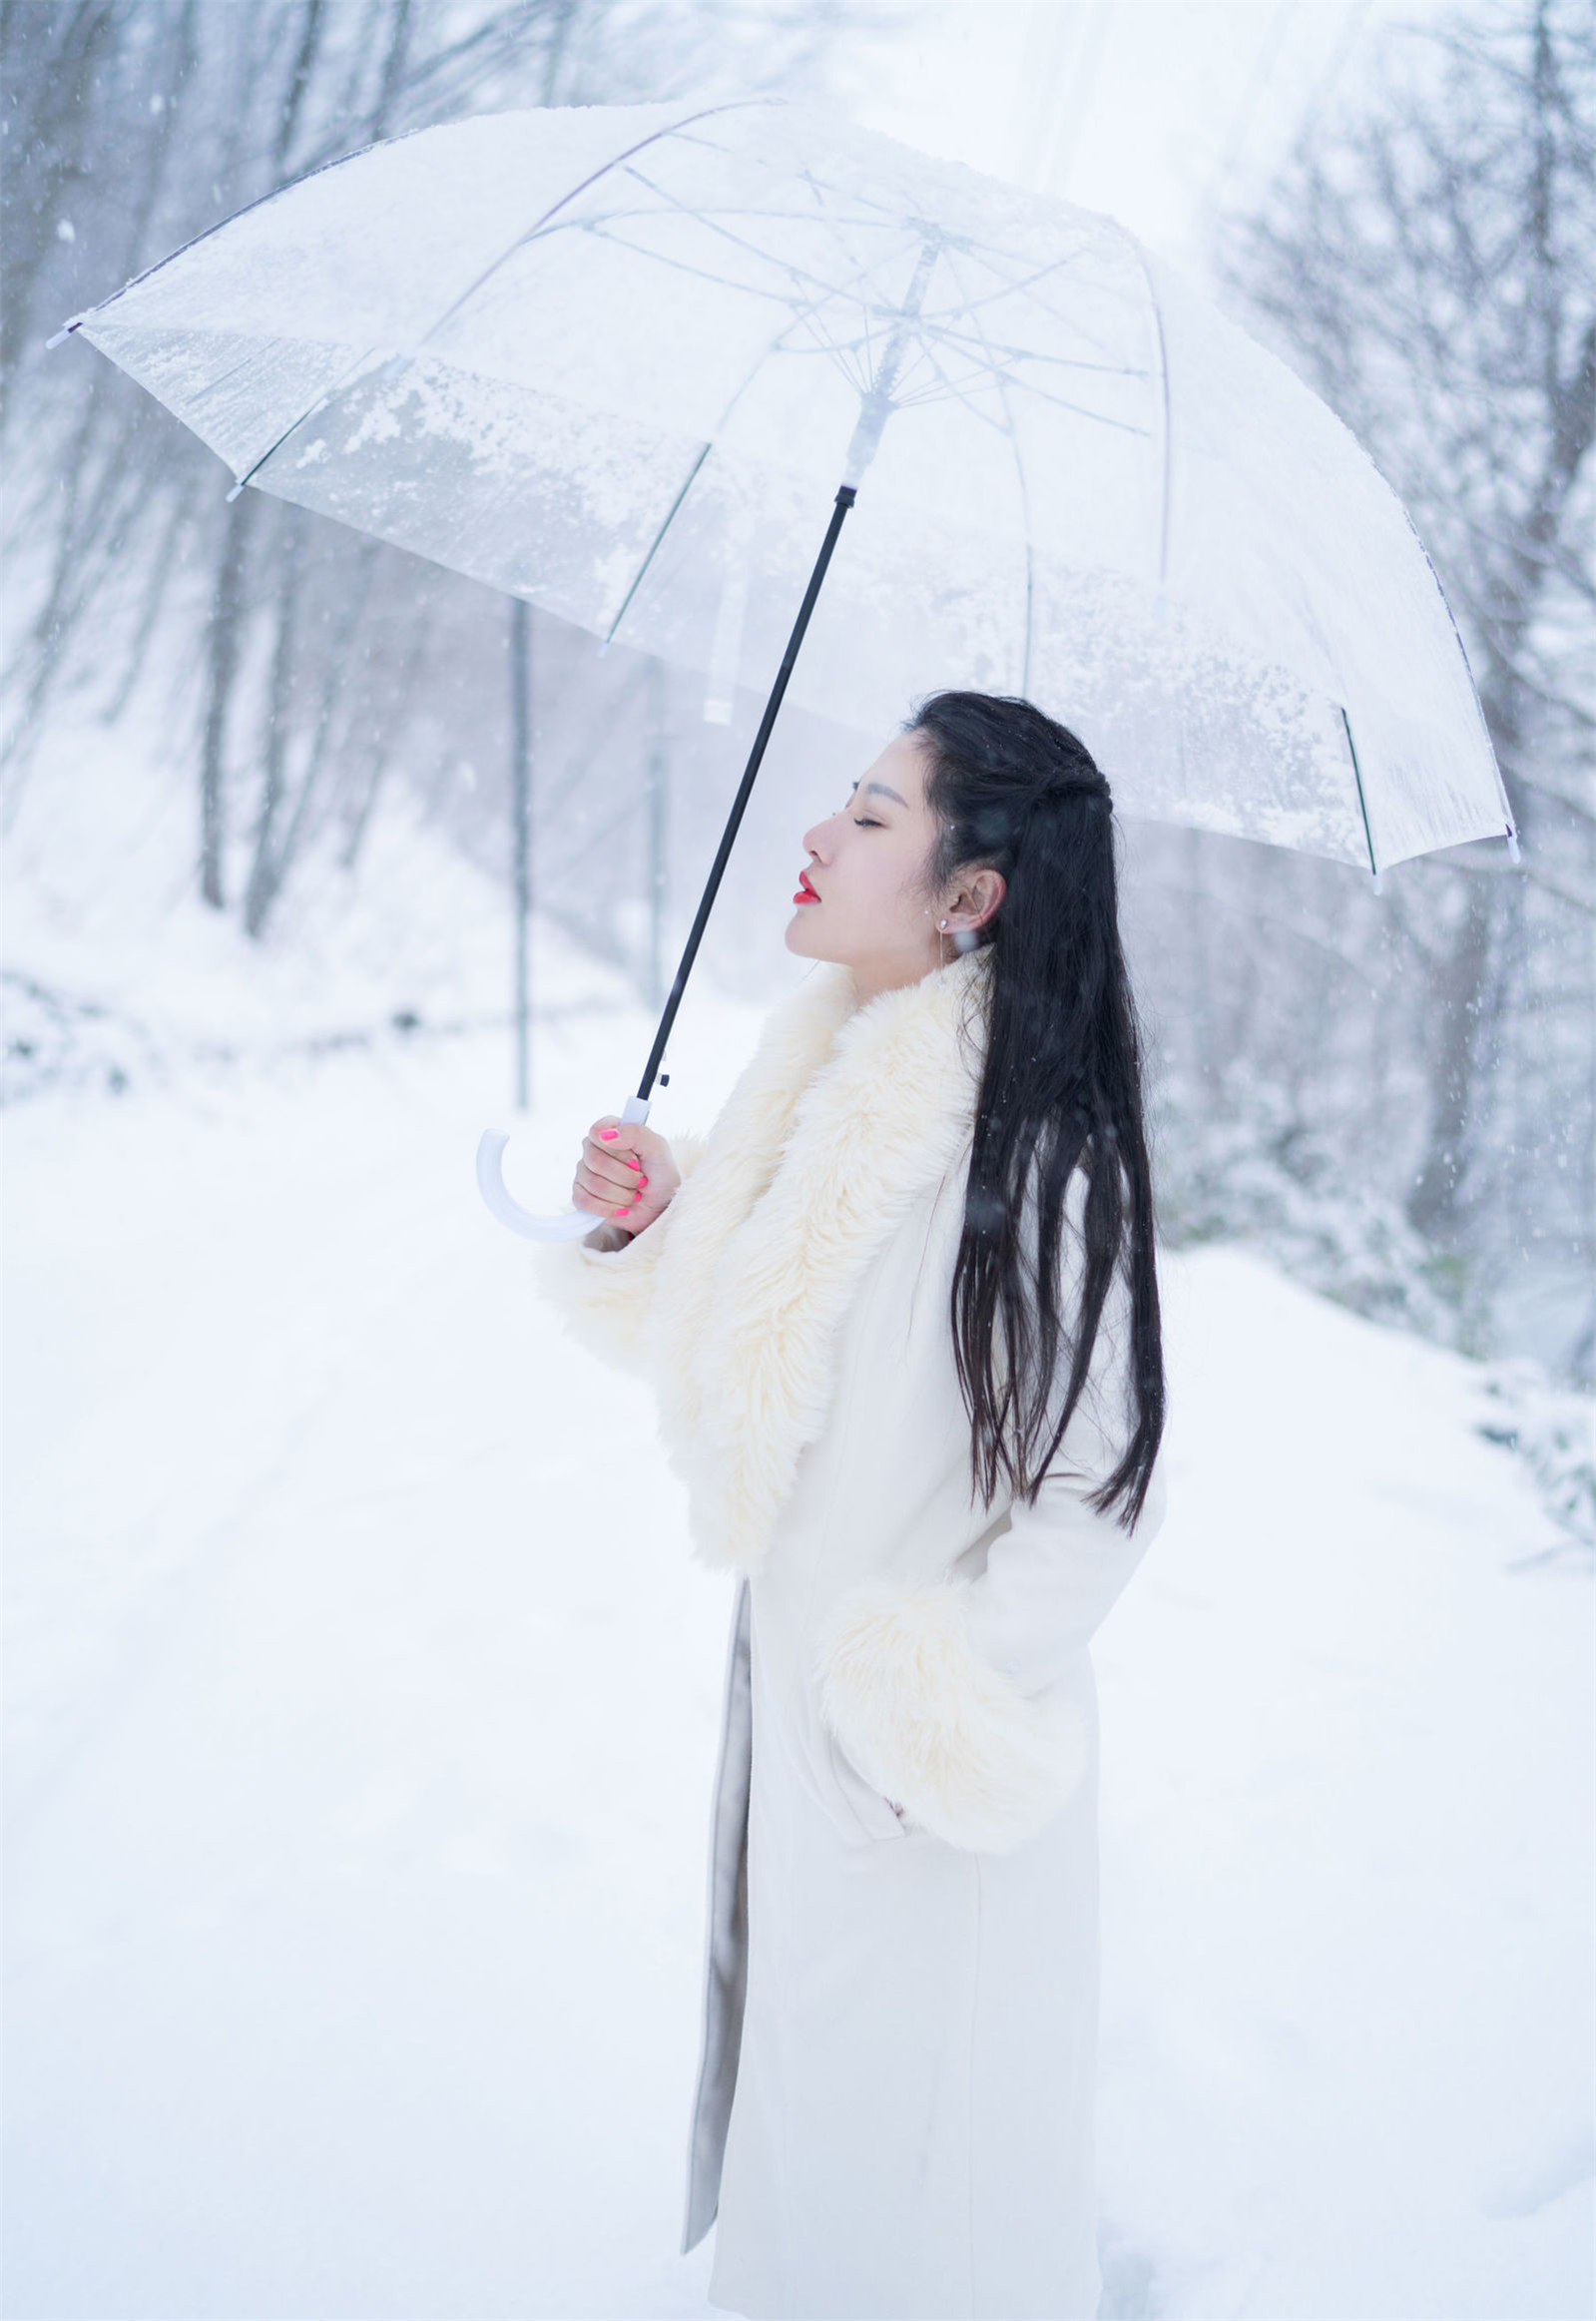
(1457, 985)
(270, 858)
(221, 661)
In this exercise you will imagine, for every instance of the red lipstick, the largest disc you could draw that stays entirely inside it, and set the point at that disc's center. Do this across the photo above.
(805, 892)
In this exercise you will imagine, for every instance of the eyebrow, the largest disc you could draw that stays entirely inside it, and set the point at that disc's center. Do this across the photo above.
(881, 788)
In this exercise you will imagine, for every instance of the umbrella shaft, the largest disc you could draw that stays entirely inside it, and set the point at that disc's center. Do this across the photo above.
(845, 500)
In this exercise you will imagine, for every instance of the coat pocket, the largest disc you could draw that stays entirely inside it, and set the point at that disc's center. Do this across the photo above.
(867, 1807)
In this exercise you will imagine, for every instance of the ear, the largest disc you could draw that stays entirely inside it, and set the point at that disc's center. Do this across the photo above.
(975, 899)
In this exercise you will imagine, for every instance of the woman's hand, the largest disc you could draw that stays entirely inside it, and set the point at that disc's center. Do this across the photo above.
(626, 1175)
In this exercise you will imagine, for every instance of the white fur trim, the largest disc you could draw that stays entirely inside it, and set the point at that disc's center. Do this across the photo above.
(744, 1152)
(970, 1758)
(732, 1301)
(604, 1295)
(847, 1117)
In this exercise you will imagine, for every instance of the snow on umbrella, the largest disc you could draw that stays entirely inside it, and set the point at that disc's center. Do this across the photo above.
(614, 361)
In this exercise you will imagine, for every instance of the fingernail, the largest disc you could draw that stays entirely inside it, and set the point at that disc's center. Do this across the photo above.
(609, 1133)
(621, 1211)
(642, 1181)
(633, 1164)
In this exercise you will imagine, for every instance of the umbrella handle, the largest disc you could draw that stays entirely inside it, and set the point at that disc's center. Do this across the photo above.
(569, 1224)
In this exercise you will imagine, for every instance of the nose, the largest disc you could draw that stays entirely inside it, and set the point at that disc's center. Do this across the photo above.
(817, 841)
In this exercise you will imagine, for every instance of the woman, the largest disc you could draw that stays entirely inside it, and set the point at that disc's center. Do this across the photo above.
(902, 1316)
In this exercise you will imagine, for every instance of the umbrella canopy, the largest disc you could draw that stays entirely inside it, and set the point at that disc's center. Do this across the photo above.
(617, 360)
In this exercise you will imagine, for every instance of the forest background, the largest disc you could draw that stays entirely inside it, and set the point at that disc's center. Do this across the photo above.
(361, 1693)
(1391, 1096)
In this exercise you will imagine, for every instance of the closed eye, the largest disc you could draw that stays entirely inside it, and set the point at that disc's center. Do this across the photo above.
(863, 822)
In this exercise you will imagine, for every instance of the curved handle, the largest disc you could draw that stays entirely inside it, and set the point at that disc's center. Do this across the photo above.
(570, 1224)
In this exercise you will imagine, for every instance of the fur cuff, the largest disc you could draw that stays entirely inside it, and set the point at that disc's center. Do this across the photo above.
(927, 1722)
(604, 1295)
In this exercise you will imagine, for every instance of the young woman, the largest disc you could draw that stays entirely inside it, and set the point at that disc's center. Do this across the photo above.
(902, 1316)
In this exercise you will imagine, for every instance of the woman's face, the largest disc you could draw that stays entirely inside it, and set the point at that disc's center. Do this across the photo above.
(860, 900)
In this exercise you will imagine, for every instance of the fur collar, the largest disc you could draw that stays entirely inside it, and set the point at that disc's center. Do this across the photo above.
(842, 1119)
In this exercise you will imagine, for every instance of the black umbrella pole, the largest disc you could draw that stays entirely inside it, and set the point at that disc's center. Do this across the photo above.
(701, 919)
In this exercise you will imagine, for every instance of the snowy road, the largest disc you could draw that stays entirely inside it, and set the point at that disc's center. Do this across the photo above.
(363, 1710)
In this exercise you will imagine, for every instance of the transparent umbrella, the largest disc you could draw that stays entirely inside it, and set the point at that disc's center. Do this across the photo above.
(617, 361)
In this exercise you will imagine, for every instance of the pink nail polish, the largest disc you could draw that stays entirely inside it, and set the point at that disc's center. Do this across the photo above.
(642, 1181)
(608, 1134)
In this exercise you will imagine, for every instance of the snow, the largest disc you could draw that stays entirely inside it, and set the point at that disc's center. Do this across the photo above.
(1347, 1840)
(363, 1700)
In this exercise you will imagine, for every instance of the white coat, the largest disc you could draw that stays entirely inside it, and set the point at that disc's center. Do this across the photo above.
(895, 2102)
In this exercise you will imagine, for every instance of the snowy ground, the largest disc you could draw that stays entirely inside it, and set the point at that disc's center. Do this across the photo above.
(362, 1707)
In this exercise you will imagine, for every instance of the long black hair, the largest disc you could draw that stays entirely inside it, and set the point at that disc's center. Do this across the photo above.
(1061, 1089)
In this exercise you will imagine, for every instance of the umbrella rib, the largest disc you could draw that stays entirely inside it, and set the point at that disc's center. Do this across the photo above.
(951, 390)
(838, 354)
(940, 389)
(309, 412)
(822, 292)
(1059, 362)
(342, 161)
(616, 162)
(842, 350)
(472, 289)
(774, 297)
(1363, 803)
(1032, 354)
(1023, 288)
(1164, 463)
(880, 214)
(709, 210)
(799, 277)
(232, 371)
(797, 321)
(1001, 375)
(1081, 411)
(688, 482)
(869, 341)
(1022, 482)
(806, 315)
(806, 279)
(682, 266)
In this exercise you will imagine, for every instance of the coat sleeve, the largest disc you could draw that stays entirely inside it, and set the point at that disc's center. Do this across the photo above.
(602, 1296)
(954, 1699)
(949, 1698)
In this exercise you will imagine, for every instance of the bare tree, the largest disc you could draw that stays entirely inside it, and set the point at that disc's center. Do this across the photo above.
(1432, 268)
(129, 126)
(1395, 1095)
